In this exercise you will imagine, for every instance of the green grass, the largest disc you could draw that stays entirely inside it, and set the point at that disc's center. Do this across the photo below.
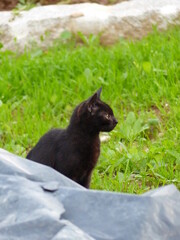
(141, 82)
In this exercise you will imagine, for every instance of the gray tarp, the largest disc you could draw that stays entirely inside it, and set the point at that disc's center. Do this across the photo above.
(37, 202)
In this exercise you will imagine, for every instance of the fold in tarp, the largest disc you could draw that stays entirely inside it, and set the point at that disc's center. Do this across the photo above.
(36, 202)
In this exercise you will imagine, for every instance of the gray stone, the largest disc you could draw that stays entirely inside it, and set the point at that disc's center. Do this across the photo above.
(43, 24)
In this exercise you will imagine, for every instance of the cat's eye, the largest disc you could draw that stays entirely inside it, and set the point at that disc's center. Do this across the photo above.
(107, 116)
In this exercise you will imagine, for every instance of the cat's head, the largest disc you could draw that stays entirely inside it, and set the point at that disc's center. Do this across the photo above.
(96, 114)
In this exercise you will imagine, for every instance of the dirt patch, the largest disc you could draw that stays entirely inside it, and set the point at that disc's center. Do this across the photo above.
(10, 4)
(7, 4)
(156, 110)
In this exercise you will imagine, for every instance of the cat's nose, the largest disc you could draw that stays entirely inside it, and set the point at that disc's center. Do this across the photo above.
(115, 121)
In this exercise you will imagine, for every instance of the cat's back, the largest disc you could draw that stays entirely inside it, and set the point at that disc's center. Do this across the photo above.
(45, 149)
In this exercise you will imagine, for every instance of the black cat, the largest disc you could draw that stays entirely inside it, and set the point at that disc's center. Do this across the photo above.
(74, 151)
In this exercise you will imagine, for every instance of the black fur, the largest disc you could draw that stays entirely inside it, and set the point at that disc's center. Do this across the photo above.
(74, 151)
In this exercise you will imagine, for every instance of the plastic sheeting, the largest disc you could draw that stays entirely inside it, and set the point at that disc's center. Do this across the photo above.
(36, 202)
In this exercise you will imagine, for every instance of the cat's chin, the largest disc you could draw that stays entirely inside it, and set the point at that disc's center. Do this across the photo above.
(108, 128)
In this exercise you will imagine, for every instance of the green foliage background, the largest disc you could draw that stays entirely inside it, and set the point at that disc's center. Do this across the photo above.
(141, 82)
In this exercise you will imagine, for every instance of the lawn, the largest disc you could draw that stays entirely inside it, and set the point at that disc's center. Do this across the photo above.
(141, 82)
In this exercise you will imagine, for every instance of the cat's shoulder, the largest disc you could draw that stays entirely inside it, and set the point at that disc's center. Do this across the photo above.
(54, 133)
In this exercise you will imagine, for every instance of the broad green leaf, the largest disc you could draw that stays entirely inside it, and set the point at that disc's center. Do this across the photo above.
(153, 121)
(131, 118)
(137, 127)
(147, 67)
(66, 35)
(174, 154)
(88, 73)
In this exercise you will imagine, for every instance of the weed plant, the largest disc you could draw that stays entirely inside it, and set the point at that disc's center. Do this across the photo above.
(141, 81)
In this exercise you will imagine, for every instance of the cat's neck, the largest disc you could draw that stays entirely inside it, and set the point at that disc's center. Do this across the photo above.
(82, 130)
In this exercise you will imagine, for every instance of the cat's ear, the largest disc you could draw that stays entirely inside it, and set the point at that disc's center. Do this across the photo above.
(93, 99)
(99, 92)
(91, 102)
